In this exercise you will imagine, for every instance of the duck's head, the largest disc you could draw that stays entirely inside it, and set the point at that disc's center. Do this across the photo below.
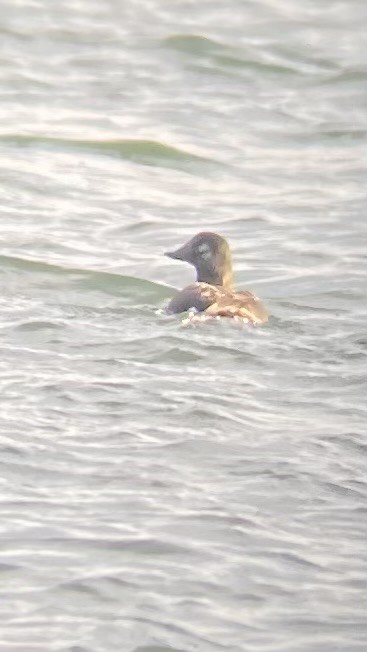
(209, 253)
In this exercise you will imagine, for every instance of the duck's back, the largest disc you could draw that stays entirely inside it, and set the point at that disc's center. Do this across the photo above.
(218, 301)
(241, 303)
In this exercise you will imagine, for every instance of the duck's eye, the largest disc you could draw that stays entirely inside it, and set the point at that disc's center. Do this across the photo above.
(204, 251)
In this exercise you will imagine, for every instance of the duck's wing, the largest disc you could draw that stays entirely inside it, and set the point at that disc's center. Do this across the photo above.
(196, 295)
(242, 304)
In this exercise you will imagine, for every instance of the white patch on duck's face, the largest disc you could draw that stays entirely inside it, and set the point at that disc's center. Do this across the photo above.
(204, 251)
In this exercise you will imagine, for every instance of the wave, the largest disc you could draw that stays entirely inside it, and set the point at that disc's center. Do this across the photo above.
(93, 279)
(222, 56)
(143, 152)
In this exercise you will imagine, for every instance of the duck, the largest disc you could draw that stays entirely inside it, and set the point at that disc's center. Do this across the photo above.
(213, 294)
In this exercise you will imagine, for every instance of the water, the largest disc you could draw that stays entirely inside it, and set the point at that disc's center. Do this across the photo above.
(162, 487)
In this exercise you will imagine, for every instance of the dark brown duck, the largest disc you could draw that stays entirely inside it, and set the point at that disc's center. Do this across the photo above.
(213, 293)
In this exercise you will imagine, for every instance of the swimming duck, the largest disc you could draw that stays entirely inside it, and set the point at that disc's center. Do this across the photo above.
(213, 293)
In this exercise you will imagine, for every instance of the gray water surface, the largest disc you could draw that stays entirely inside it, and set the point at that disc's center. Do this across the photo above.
(198, 489)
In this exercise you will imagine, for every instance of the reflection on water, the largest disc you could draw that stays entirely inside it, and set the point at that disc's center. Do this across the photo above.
(168, 487)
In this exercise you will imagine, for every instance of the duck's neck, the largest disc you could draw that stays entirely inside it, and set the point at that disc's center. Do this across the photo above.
(221, 278)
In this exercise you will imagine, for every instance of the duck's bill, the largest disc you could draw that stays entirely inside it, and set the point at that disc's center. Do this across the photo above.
(179, 254)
